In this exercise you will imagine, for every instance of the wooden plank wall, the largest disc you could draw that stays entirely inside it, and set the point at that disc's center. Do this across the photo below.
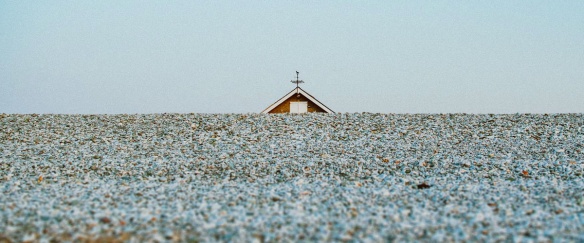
(285, 106)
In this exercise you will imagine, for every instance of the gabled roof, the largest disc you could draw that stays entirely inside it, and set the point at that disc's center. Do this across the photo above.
(302, 92)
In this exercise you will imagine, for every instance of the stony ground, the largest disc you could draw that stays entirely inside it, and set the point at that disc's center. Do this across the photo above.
(255, 177)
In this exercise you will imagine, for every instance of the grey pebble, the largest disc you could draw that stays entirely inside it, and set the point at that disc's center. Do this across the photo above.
(311, 177)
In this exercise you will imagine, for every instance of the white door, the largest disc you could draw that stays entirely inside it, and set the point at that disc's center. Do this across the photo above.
(298, 107)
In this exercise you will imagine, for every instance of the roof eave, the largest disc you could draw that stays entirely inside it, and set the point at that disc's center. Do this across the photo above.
(278, 102)
(301, 91)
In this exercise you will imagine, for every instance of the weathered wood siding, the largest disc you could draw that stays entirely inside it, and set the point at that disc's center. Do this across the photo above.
(285, 106)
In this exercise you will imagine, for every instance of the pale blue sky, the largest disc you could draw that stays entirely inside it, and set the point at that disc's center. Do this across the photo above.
(239, 56)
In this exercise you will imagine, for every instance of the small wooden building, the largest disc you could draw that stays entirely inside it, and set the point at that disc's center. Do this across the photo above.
(297, 101)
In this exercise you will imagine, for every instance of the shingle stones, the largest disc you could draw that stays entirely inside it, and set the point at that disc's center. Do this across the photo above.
(311, 177)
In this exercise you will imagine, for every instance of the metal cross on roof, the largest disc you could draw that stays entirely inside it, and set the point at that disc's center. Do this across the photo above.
(297, 81)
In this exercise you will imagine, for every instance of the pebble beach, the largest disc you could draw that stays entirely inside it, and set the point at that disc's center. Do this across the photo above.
(272, 178)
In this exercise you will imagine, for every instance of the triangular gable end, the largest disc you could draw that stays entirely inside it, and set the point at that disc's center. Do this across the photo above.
(304, 94)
